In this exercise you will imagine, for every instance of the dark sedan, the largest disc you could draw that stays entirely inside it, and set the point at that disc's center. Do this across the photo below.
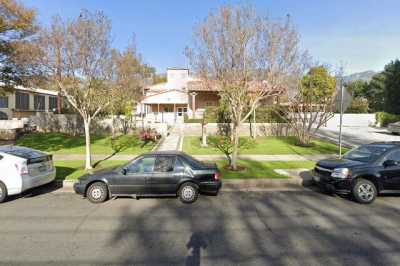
(153, 174)
(364, 172)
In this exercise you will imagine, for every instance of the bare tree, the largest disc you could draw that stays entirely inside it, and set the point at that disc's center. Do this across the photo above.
(311, 104)
(76, 57)
(246, 57)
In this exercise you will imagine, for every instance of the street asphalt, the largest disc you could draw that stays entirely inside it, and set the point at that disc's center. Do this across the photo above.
(301, 227)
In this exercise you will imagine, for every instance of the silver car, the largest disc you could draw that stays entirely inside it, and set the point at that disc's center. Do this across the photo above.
(394, 128)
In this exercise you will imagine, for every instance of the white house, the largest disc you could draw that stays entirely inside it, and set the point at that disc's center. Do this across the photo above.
(25, 102)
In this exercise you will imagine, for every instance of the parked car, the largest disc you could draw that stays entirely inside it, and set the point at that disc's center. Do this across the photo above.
(394, 128)
(153, 174)
(364, 172)
(23, 168)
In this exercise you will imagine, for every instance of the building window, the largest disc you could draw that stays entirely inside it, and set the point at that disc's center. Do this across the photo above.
(3, 101)
(52, 103)
(3, 116)
(39, 102)
(21, 100)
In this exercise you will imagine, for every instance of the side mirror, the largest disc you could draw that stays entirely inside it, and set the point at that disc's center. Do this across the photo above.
(124, 171)
(389, 163)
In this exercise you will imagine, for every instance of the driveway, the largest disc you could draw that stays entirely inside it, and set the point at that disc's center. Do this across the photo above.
(355, 136)
(265, 228)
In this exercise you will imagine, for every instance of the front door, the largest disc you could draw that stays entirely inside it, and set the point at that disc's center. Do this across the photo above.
(132, 180)
(165, 178)
(180, 111)
(391, 174)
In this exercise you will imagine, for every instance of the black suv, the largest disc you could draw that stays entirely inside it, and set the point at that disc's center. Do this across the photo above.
(363, 172)
(153, 174)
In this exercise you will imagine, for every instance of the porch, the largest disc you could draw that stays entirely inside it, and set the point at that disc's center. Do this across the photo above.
(165, 113)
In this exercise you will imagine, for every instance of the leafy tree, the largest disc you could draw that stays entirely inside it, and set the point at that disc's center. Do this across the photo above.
(17, 25)
(357, 88)
(392, 87)
(375, 92)
(128, 75)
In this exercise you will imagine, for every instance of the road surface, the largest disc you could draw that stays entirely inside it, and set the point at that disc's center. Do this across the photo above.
(301, 227)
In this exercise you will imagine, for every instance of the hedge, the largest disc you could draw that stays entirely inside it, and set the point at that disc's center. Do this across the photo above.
(384, 119)
(263, 115)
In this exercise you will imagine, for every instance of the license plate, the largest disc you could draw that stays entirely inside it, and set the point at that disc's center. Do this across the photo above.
(42, 168)
(316, 178)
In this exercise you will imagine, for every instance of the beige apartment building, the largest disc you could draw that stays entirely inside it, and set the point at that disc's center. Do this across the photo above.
(25, 102)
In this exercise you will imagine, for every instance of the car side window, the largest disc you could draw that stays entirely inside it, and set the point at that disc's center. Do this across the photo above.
(395, 156)
(179, 166)
(164, 164)
(143, 165)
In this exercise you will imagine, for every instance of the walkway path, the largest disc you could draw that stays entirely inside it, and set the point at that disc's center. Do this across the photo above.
(172, 141)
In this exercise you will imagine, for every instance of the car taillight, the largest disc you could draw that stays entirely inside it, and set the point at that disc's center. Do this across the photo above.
(216, 176)
(23, 169)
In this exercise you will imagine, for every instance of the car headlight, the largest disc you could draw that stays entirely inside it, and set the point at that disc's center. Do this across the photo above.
(341, 173)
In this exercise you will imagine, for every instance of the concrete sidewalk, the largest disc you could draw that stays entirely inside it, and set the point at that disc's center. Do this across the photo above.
(127, 157)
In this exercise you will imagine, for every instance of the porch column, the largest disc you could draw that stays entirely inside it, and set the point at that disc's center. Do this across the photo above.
(158, 111)
(193, 104)
(175, 111)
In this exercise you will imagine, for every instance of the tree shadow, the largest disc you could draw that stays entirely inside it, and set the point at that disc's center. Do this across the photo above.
(275, 228)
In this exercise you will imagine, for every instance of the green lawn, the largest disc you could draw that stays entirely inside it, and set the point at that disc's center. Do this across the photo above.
(71, 170)
(261, 169)
(267, 146)
(65, 144)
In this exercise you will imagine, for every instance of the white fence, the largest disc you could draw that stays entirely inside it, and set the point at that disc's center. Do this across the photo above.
(11, 124)
(352, 120)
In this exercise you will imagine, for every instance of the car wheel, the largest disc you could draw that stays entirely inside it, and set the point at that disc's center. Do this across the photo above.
(3, 192)
(97, 192)
(364, 191)
(188, 193)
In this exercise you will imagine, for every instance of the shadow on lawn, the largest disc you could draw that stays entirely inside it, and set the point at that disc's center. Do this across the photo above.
(322, 148)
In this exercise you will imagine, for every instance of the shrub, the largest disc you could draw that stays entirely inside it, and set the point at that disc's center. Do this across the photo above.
(384, 119)
(225, 144)
(148, 135)
(359, 105)
(270, 115)
(186, 119)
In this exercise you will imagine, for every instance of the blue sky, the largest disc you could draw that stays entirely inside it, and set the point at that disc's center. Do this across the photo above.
(360, 34)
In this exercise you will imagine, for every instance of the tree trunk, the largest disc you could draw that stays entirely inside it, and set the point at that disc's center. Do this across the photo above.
(112, 125)
(203, 136)
(235, 146)
(88, 163)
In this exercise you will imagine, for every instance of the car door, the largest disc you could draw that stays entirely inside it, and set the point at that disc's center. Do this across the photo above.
(166, 175)
(132, 179)
(391, 174)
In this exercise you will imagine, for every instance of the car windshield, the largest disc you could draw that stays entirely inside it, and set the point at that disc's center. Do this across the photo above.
(366, 153)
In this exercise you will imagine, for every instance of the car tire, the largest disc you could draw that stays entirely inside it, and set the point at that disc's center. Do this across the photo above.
(188, 193)
(97, 192)
(3, 192)
(364, 191)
